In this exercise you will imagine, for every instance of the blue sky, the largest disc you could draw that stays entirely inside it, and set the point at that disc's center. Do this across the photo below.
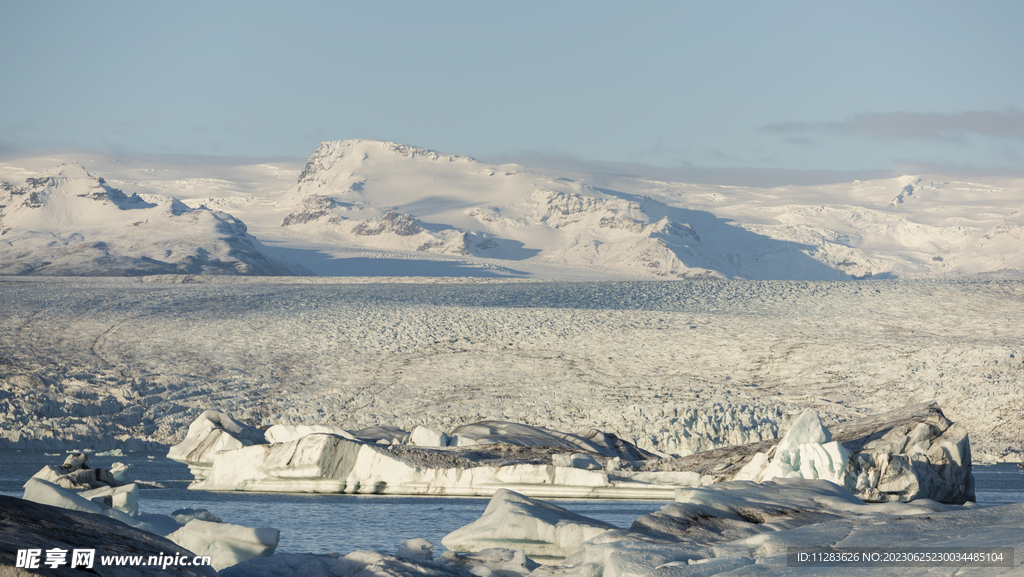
(755, 86)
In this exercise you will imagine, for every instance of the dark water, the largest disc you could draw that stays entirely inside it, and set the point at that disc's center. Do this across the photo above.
(345, 523)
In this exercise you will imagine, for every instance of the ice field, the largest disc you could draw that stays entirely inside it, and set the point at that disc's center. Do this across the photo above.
(675, 367)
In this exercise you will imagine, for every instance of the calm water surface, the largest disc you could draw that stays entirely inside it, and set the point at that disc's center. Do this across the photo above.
(345, 523)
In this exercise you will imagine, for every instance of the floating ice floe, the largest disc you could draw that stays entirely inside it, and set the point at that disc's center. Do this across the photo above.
(414, 557)
(479, 460)
(197, 531)
(513, 521)
(25, 525)
(911, 453)
(718, 529)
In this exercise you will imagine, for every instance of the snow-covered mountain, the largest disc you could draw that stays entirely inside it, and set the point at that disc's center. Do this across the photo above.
(68, 222)
(364, 207)
(383, 195)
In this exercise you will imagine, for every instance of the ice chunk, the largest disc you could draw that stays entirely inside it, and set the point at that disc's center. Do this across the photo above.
(513, 521)
(75, 461)
(286, 433)
(183, 516)
(805, 452)
(226, 544)
(529, 436)
(575, 461)
(805, 429)
(40, 491)
(418, 549)
(427, 437)
(118, 471)
(124, 498)
(111, 453)
(211, 432)
(502, 562)
(929, 458)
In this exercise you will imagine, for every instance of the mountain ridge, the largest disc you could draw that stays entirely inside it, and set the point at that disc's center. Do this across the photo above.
(370, 207)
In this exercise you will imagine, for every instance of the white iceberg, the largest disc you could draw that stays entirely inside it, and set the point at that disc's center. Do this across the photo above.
(417, 549)
(323, 463)
(212, 432)
(286, 433)
(907, 459)
(514, 521)
(725, 527)
(906, 454)
(225, 543)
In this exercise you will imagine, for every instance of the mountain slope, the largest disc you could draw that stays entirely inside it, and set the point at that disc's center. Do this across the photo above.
(67, 222)
(372, 208)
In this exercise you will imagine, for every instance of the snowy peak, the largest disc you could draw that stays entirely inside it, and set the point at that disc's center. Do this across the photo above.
(69, 170)
(70, 179)
(369, 207)
(353, 153)
(68, 222)
(388, 196)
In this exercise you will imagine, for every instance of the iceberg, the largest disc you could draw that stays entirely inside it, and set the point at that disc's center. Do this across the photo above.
(911, 453)
(730, 525)
(197, 531)
(514, 521)
(73, 474)
(211, 432)
(225, 543)
(28, 525)
(324, 463)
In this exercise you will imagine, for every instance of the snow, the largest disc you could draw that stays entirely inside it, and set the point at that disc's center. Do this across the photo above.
(67, 222)
(671, 367)
(365, 207)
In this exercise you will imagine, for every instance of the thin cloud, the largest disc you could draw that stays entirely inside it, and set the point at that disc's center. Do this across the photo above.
(914, 125)
(922, 126)
(790, 127)
(687, 172)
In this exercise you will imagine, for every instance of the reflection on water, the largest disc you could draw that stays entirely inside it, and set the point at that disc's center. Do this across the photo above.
(345, 523)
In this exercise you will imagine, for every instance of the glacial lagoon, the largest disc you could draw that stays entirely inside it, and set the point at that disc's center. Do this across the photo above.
(345, 523)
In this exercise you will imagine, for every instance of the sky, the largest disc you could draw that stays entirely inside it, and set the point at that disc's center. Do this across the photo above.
(713, 88)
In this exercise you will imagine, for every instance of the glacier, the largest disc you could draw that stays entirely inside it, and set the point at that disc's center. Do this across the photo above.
(673, 368)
